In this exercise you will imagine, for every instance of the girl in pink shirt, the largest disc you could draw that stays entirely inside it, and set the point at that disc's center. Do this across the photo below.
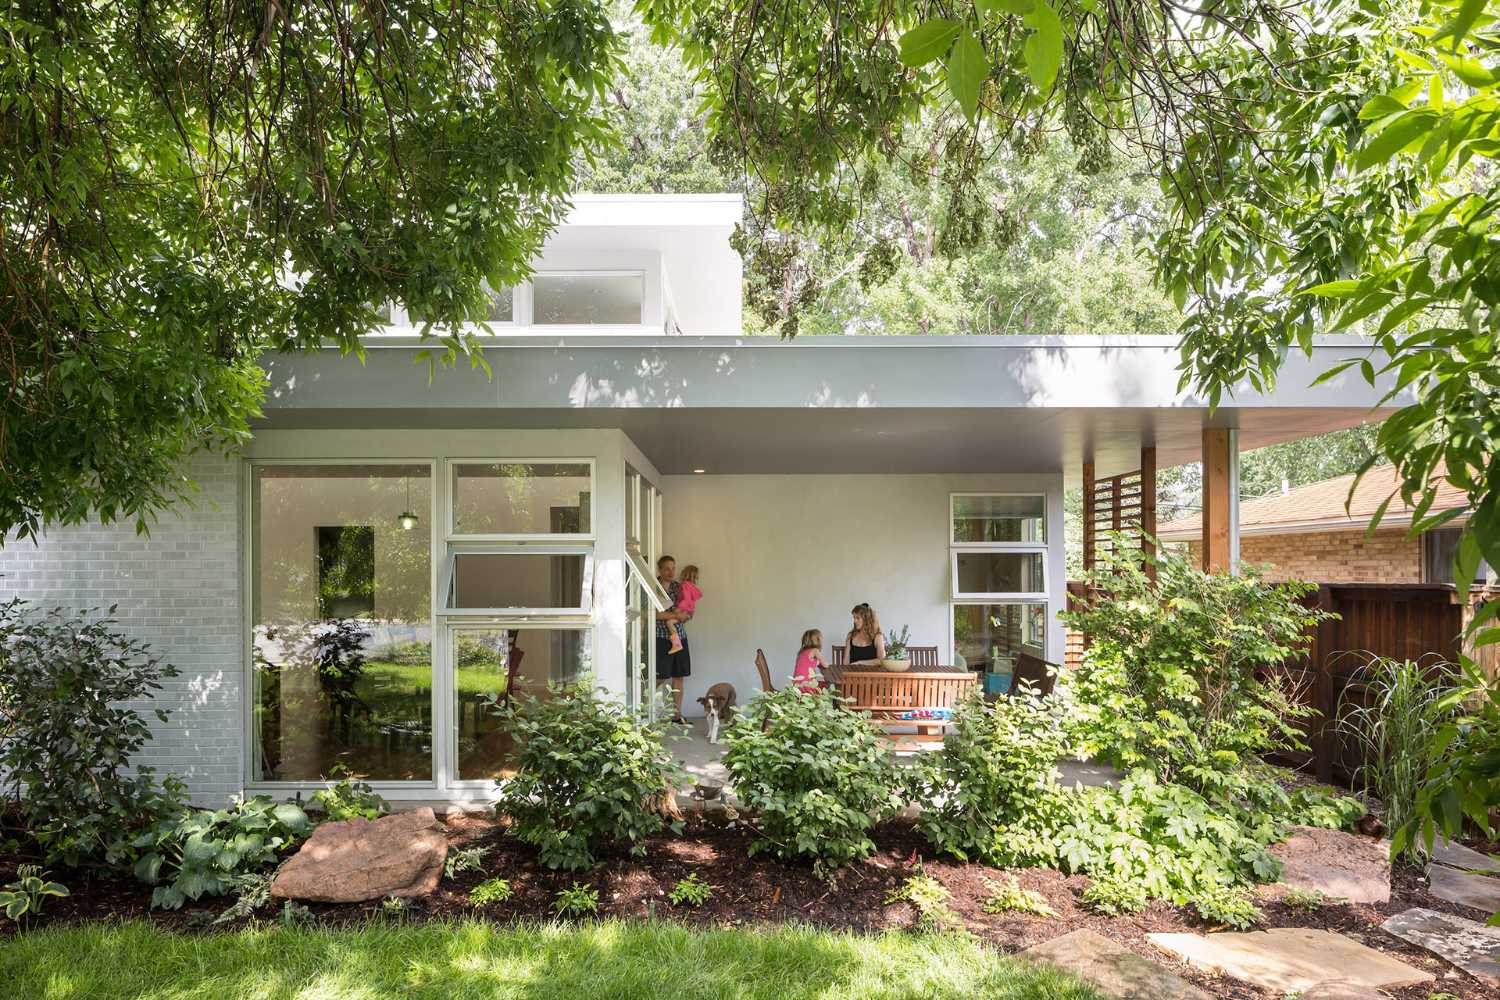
(687, 601)
(808, 676)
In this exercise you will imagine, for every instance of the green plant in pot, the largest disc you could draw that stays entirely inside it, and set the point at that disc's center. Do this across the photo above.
(897, 657)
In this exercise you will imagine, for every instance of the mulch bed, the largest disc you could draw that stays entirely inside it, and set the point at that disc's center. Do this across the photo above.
(760, 890)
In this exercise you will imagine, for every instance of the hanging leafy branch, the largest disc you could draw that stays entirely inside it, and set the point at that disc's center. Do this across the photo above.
(186, 186)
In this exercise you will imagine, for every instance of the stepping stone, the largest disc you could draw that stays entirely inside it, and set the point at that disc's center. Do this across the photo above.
(1114, 969)
(358, 859)
(1289, 959)
(1468, 944)
(1337, 864)
(1456, 855)
(1342, 989)
(1465, 888)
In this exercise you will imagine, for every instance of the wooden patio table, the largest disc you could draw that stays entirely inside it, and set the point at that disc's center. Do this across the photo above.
(888, 695)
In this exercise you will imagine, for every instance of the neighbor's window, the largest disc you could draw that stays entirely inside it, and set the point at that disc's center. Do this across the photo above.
(522, 498)
(342, 621)
(491, 662)
(989, 637)
(979, 518)
(518, 580)
(1439, 546)
(563, 299)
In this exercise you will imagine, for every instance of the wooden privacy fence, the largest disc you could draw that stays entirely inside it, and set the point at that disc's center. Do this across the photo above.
(1402, 621)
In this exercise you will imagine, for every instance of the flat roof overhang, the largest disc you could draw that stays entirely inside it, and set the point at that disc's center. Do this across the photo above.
(831, 404)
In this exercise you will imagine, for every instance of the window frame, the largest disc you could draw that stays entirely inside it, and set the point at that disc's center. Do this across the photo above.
(451, 533)
(451, 634)
(455, 617)
(639, 273)
(987, 596)
(520, 298)
(953, 607)
(953, 497)
(249, 780)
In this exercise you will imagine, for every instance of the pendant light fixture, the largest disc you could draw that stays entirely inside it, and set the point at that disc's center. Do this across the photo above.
(406, 518)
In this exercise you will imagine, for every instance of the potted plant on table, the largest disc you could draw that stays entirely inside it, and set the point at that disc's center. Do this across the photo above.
(896, 656)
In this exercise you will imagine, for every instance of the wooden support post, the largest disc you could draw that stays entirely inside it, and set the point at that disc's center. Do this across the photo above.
(1088, 517)
(1218, 498)
(1148, 508)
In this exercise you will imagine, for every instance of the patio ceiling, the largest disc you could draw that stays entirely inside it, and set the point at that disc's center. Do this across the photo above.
(832, 405)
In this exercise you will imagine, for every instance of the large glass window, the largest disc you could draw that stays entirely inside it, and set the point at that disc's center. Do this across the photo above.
(579, 299)
(522, 498)
(498, 664)
(989, 517)
(341, 606)
(989, 637)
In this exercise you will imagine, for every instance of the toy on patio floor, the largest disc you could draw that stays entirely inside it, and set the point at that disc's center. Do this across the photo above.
(921, 714)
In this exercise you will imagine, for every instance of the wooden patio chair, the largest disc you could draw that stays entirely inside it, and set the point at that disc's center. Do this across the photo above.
(764, 669)
(1035, 671)
(840, 655)
(922, 656)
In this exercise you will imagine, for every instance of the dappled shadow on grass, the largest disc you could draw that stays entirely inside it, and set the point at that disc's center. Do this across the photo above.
(550, 962)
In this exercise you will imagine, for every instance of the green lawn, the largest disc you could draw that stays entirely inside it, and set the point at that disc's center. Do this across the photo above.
(472, 959)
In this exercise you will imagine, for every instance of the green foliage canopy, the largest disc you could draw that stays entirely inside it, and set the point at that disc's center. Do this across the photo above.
(186, 187)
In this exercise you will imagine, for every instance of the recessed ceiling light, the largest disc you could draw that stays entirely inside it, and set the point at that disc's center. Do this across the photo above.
(699, 471)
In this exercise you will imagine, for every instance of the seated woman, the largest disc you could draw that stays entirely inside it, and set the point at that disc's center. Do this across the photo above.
(866, 641)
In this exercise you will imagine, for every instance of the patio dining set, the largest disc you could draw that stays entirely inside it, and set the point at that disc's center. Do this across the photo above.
(921, 697)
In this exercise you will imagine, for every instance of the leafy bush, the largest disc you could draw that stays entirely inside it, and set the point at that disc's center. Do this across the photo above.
(24, 896)
(588, 776)
(577, 900)
(691, 891)
(465, 859)
(67, 735)
(495, 890)
(348, 798)
(1308, 900)
(1182, 673)
(1403, 705)
(929, 898)
(991, 794)
(816, 776)
(1009, 896)
(200, 852)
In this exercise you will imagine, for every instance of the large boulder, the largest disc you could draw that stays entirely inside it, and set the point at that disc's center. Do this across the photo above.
(1338, 864)
(359, 859)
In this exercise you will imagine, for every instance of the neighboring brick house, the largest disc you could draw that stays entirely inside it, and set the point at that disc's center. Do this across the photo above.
(1317, 532)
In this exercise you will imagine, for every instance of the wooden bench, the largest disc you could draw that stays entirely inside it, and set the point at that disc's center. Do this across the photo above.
(887, 696)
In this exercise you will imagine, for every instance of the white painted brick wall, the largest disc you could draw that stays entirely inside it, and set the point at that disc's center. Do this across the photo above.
(177, 589)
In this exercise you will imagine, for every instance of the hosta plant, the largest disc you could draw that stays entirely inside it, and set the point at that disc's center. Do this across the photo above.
(23, 897)
(200, 852)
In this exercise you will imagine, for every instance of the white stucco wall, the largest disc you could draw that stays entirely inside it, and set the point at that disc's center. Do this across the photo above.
(179, 590)
(780, 554)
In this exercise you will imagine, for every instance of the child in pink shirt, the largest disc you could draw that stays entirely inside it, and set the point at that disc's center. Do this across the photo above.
(687, 600)
(807, 677)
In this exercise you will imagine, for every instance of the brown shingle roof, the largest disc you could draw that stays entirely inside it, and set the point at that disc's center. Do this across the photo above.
(1322, 505)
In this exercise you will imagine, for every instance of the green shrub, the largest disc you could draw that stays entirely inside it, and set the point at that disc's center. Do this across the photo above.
(577, 900)
(1183, 674)
(816, 776)
(199, 852)
(495, 890)
(1402, 706)
(67, 733)
(588, 776)
(1308, 900)
(991, 794)
(1009, 896)
(929, 898)
(690, 891)
(348, 798)
(24, 896)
